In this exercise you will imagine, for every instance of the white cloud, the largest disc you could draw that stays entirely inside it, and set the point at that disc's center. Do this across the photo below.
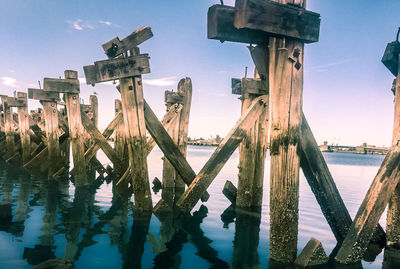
(8, 81)
(167, 81)
(80, 25)
(108, 23)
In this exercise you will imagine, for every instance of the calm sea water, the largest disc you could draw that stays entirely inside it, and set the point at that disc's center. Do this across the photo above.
(100, 230)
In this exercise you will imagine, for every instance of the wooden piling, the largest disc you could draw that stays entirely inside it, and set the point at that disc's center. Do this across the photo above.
(24, 127)
(252, 150)
(393, 213)
(50, 113)
(9, 129)
(120, 145)
(286, 90)
(135, 133)
(76, 132)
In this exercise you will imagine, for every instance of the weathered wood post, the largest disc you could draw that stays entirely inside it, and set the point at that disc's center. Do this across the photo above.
(94, 104)
(70, 87)
(253, 148)
(23, 119)
(120, 145)
(393, 213)
(8, 125)
(129, 70)
(168, 173)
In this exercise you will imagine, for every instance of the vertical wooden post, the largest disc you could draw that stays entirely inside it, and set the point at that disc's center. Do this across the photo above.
(9, 129)
(76, 132)
(393, 212)
(286, 91)
(169, 175)
(252, 151)
(184, 89)
(50, 113)
(135, 133)
(94, 103)
(120, 145)
(23, 119)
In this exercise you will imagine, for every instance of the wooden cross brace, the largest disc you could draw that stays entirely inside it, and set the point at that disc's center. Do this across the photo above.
(115, 47)
(67, 85)
(41, 95)
(15, 102)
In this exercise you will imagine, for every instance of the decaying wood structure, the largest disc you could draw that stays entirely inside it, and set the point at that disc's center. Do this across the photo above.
(271, 117)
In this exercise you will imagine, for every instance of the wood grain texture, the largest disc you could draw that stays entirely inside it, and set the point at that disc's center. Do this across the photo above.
(220, 26)
(24, 128)
(9, 129)
(76, 133)
(278, 20)
(50, 114)
(115, 47)
(135, 133)
(120, 145)
(38, 94)
(286, 93)
(118, 68)
(221, 155)
(61, 85)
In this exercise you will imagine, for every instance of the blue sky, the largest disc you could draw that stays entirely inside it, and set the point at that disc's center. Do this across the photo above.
(347, 97)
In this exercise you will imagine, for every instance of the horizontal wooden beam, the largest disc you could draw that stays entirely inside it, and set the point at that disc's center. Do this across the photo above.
(275, 19)
(113, 69)
(38, 94)
(248, 85)
(221, 155)
(220, 26)
(61, 85)
(115, 47)
(14, 102)
(174, 98)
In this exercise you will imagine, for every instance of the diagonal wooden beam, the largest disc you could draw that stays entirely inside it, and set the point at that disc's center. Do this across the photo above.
(323, 186)
(221, 155)
(100, 140)
(168, 147)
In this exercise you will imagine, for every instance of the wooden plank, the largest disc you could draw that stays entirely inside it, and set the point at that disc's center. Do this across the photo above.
(135, 133)
(220, 26)
(38, 94)
(371, 209)
(173, 98)
(115, 47)
(9, 130)
(24, 128)
(248, 86)
(76, 132)
(393, 212)
(220, 156)
(101, 141)
(279, 20)
(118, 68)
(15, 102)
(230, 191)
(170, 149)
(323, 186)
(61, 85)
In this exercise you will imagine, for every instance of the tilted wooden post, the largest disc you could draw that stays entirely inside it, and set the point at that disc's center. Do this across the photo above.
(129, 70)
(23, 119)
